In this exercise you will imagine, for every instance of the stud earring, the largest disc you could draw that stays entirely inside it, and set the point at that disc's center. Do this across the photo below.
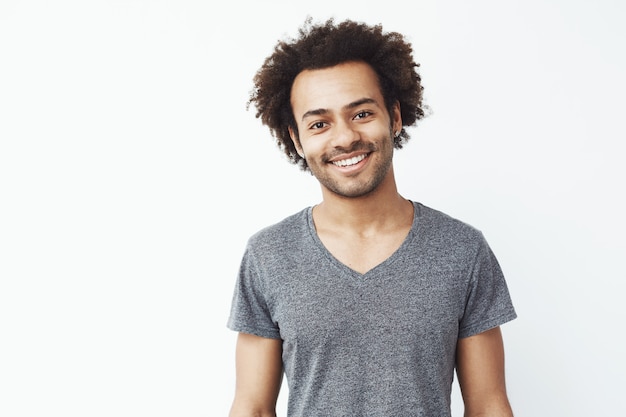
(396, 133)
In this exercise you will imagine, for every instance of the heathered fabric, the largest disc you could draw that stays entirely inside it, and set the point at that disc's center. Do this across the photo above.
(375, 344)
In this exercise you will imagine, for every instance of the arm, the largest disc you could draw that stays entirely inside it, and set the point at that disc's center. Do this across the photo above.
(259, 374)
(480, 370)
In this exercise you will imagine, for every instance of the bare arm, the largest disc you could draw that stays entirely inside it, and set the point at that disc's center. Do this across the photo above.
(258, 376)
(480, 370)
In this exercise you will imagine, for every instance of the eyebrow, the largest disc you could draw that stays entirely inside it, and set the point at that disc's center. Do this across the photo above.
(357, 103)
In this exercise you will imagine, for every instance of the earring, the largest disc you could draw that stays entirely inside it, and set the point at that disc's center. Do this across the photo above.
(396, 133)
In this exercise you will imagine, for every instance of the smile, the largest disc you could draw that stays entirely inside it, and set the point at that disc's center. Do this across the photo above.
(350, 161)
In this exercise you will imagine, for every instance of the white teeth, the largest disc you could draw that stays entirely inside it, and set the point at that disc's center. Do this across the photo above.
(350, 161)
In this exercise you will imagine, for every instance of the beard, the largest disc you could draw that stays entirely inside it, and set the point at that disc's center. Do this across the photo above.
(362, 183)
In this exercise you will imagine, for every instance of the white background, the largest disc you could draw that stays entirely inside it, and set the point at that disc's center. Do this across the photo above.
(131, 175)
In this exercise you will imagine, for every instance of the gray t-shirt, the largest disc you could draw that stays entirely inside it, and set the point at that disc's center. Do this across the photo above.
(375, 344)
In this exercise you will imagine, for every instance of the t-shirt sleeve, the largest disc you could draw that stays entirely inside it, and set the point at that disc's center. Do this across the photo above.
(249, 311)
(488, 300)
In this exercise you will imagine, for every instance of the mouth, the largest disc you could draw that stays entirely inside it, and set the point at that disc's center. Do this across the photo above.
(349, 161)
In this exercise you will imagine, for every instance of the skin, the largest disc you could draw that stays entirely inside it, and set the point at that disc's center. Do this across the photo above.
(258, 375)
(333, 129)
(362, 219)
(480, 371)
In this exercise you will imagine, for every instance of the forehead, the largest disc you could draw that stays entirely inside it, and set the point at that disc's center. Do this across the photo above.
(334, 87)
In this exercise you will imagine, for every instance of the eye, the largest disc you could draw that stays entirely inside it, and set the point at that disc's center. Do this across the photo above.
(318, 125)
(362, 115)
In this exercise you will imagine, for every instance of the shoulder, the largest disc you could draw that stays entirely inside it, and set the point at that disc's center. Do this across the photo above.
(442, 229)
(284, 233)
(440, 220)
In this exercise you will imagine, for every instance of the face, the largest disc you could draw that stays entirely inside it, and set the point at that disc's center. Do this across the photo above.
(345, 130)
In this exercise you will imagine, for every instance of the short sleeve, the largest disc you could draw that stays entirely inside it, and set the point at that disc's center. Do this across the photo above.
(488, 302)
(249, 312)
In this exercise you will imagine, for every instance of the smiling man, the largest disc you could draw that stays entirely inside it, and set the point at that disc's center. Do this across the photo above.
(367, 301)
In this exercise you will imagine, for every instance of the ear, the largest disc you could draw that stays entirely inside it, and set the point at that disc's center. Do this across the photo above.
(296, 142)
(396, 117)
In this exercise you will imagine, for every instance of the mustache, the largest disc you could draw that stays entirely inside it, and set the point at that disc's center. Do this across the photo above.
(356, 147)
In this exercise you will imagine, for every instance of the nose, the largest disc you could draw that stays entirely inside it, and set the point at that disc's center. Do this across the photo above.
(344, 135)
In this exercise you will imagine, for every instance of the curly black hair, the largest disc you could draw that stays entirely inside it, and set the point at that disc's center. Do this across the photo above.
(325, 45)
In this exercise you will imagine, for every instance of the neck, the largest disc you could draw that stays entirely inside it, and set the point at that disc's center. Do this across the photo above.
(382, 208)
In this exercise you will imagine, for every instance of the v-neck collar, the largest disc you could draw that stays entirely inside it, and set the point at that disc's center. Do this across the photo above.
(345, 269)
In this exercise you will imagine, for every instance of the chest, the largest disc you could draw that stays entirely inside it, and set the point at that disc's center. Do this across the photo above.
(401, 303)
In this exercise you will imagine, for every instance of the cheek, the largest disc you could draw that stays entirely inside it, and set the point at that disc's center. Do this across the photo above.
(309, 151)
(310, 146)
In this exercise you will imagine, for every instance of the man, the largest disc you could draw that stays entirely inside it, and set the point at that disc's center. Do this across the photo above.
(367, 301)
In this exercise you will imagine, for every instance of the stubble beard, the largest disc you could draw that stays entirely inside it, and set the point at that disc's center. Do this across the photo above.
(356, 187)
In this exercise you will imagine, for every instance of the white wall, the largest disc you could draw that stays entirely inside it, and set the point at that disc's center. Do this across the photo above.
(131, 175)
